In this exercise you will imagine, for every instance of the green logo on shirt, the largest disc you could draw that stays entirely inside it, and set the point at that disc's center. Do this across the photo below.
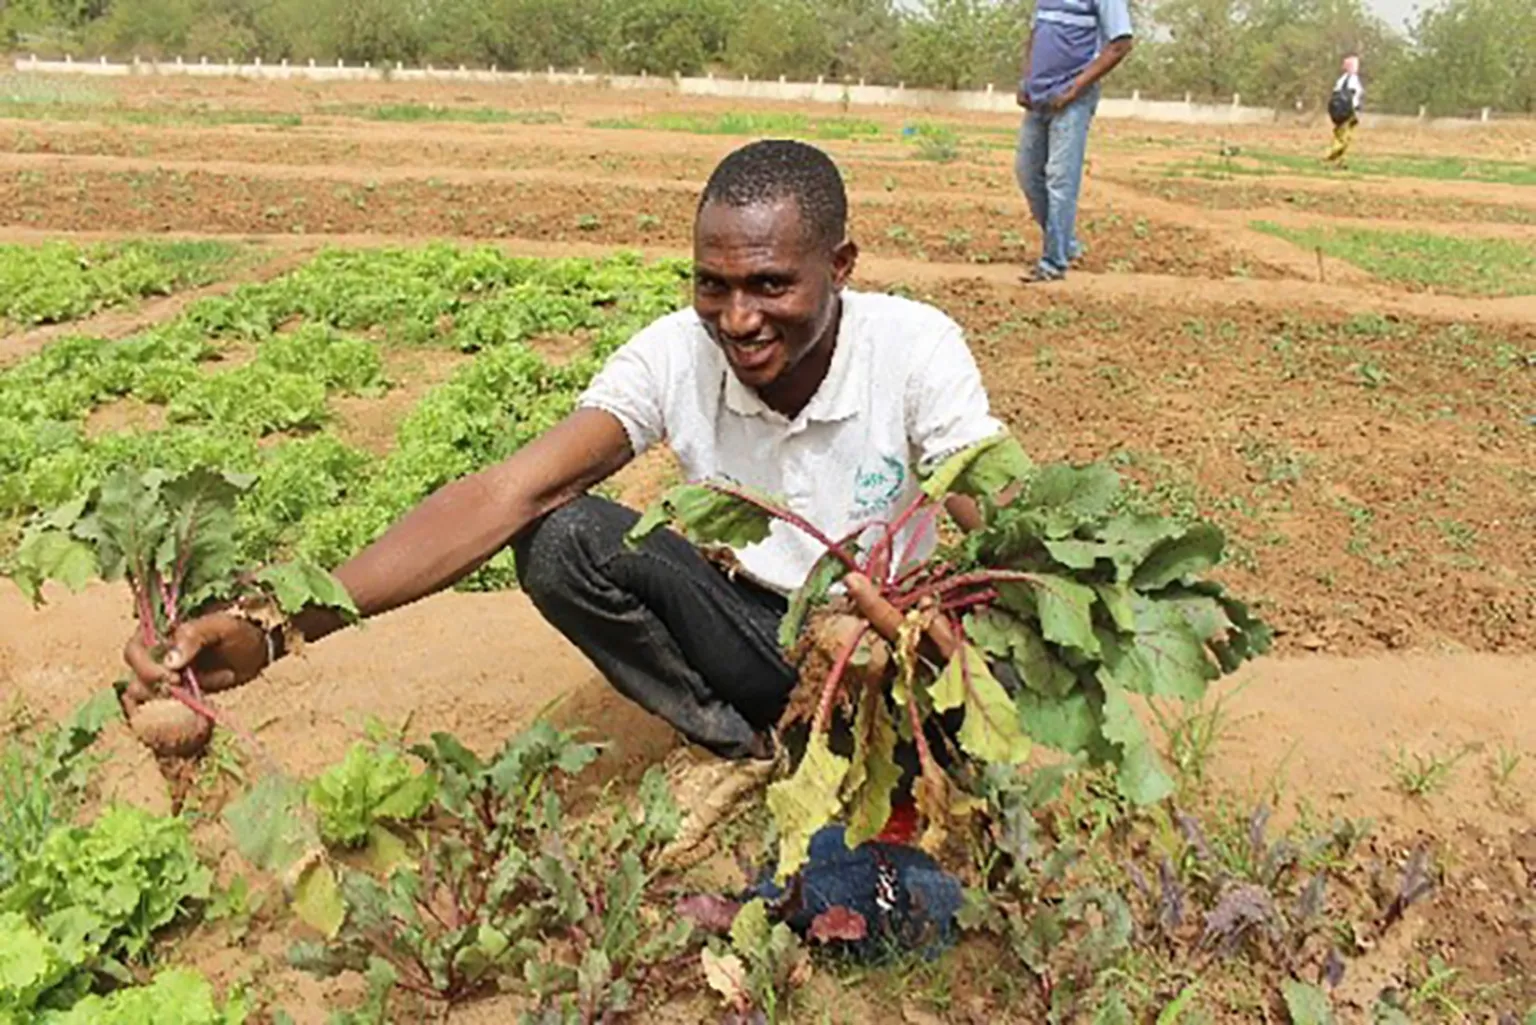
(874, 489)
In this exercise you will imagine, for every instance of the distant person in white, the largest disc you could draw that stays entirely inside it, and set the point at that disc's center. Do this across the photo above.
(1344, 108)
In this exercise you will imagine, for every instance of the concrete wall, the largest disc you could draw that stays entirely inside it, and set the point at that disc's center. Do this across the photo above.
(856, 95)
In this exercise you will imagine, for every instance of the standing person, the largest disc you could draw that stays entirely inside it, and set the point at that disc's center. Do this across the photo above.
(1072, 45)
(1344, 108)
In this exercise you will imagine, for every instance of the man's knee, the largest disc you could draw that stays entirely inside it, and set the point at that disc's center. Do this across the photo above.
(558, 548)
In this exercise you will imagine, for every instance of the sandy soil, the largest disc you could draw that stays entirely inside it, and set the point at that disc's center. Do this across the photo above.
(85, 194)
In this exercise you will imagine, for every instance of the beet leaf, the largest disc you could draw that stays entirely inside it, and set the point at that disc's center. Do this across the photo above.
(807, 801)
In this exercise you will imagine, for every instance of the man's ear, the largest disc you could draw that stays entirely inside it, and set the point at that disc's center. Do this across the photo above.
(844, 258)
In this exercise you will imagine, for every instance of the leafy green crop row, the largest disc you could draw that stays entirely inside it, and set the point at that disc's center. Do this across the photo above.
(416, 296)
(755, 123)
(315, 332)
(43, 778)
(433, 112)
(80, 905)
(1422, 259)
(61, 281)
(48, 459)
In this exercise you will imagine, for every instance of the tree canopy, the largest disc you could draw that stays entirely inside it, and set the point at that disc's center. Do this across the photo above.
(1454, 57)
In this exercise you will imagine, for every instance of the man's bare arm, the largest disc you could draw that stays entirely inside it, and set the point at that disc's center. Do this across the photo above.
(453, 532)
(438, 543)
(965, 512)
(1108, 59)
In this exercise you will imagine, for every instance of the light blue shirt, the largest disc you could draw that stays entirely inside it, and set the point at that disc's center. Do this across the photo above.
(1069, 34)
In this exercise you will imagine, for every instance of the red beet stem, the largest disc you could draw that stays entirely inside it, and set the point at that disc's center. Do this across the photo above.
(834, 678)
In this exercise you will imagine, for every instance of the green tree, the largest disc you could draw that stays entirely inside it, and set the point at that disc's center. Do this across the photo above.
(295, 29)
(515, 34)
(660, 37)
(1205, 49)
(1292, 48)
(780, 37)
(155, 28)
(58, 18)
(862, 35)
(219, 29)
(1469, 54)
(373, 30)
(963, 44)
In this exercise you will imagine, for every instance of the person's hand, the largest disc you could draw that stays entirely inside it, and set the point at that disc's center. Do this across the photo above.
(1063, 99)
(1022, 97)
(224, 650)
(886, 620)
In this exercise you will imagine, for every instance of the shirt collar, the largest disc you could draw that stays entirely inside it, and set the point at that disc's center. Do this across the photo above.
(842, 393)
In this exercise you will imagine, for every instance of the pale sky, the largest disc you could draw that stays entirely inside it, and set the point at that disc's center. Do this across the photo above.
(1395, 12)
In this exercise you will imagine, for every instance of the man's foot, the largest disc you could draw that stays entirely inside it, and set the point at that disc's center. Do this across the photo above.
(1078, 252)
(708, 789)
(1042, 274)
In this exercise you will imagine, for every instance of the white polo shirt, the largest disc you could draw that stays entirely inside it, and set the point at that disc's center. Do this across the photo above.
(902, 393)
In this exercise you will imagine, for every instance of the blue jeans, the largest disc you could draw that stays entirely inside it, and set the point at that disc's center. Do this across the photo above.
(1049, 168)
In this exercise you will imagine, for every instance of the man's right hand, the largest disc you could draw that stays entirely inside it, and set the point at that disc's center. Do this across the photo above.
(1023, 97)
(225, 651)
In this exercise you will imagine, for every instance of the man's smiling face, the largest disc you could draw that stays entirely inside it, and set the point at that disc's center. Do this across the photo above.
(767, 290)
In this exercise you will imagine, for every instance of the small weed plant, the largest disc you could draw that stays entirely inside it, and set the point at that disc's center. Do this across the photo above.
(1419, 774)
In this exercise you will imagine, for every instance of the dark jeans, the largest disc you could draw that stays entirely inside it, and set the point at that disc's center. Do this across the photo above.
(663, 624)
(673, 633)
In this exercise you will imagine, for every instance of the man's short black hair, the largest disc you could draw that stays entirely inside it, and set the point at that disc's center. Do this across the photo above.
(775, 169)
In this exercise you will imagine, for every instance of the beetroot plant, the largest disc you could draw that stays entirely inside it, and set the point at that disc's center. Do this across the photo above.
(171, 538)
(1040, 625)
(484, 879)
